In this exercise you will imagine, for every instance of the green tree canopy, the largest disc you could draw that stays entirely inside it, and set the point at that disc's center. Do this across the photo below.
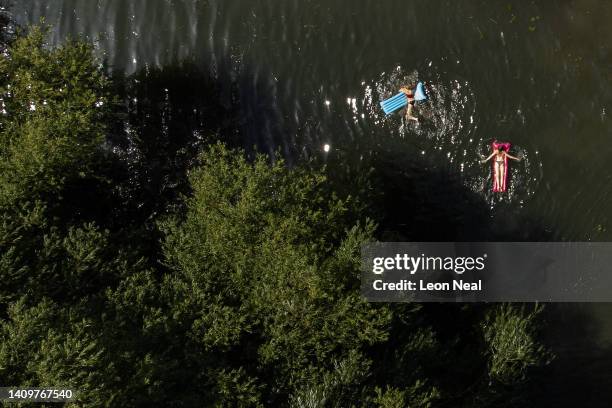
(266, 271)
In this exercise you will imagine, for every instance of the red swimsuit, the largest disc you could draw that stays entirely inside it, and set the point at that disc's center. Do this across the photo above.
(410, 96)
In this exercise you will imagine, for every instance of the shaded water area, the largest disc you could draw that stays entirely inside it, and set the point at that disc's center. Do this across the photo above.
(296, 75)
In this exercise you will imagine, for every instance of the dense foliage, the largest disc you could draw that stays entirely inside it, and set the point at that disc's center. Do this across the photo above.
(251, 297)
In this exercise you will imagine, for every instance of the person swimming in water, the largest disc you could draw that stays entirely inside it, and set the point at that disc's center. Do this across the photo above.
(410, 95)
(500, 166)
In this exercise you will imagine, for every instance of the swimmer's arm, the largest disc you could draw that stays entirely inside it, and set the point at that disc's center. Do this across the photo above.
(488, 158)
(512, 157)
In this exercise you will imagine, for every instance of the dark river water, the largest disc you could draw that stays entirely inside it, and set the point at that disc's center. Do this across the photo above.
(312, 72)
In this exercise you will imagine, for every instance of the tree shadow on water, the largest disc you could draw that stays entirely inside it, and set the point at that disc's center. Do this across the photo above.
(165, 117)
(167, 114)
(7, 25)
(420, 202)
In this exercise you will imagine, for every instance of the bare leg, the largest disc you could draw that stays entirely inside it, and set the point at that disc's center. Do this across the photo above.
(500, 176)
(409, 113)
(496, 185)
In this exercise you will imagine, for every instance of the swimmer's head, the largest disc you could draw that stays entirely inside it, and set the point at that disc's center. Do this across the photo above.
(501, 148)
